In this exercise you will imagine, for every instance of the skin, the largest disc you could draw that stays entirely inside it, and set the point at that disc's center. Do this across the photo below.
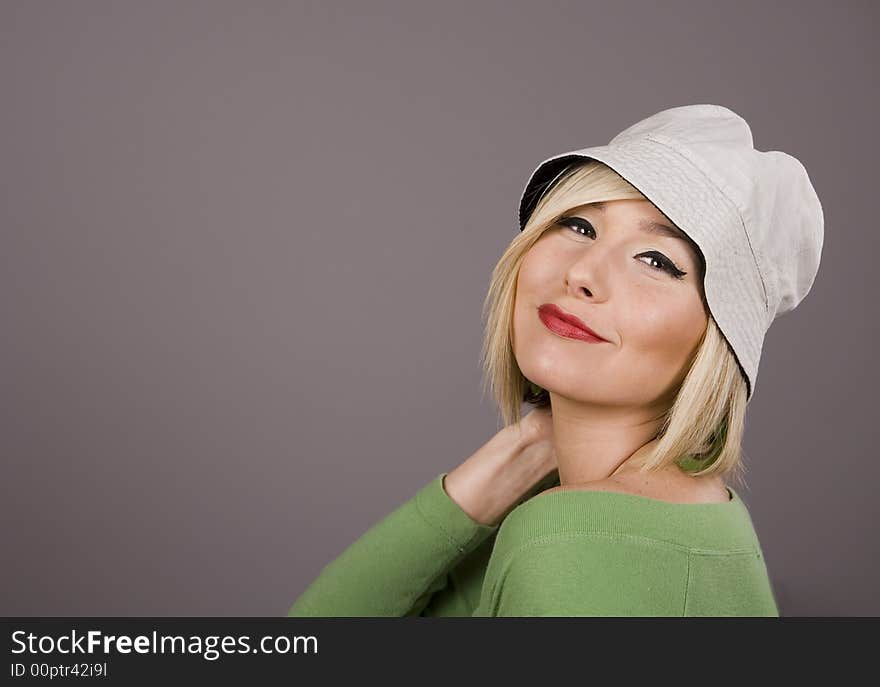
(604, 395)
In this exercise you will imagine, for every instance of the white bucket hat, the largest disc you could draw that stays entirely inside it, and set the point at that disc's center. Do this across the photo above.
(754, 214)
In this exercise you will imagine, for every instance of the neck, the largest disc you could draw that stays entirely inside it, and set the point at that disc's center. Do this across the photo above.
(595, 442)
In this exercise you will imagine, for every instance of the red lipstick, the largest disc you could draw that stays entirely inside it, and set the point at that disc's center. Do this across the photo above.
(566, 324)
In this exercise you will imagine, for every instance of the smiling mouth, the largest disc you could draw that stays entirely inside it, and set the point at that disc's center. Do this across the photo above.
(566, 329)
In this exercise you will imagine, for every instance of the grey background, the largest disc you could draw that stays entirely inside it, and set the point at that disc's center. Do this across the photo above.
(245, 247)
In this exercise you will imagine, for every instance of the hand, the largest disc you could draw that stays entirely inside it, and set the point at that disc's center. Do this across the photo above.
(540, 423)
(511, 467)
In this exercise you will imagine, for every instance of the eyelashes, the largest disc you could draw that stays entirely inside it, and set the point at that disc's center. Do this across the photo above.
(666, 265)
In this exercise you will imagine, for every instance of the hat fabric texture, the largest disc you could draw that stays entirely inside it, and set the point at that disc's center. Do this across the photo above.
(754, 214)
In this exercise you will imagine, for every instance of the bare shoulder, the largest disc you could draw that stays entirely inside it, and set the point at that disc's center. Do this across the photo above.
(677, 490)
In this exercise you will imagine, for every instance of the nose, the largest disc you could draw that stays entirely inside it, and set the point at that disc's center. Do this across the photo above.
(587, 275)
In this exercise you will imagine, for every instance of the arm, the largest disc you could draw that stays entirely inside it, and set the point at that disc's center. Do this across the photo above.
(399, 563)
(460, 593)
(417, 560)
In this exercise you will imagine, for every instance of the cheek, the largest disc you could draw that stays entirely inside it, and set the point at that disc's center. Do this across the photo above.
(664, 329)
(531, 290)
(530, 281)
(537, 266)
(658, 339)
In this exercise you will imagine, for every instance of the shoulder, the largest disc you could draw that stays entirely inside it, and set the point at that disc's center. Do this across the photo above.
(677, 489)
(598, 485)
(576, 567)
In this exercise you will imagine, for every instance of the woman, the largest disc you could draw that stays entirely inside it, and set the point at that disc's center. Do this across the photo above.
(631, 311)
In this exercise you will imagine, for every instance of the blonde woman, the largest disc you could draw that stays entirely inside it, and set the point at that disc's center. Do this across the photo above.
(630, 310)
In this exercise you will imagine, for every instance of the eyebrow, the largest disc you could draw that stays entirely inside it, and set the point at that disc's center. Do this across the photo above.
(650, 227)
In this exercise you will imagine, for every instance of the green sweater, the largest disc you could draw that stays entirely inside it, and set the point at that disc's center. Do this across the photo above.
(567, 553)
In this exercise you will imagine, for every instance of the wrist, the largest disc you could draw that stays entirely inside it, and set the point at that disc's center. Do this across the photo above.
(497, 476)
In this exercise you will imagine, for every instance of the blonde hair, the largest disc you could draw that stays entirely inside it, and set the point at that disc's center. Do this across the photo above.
(702, 430)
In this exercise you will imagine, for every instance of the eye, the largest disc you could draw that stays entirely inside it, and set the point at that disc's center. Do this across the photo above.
(665, 263)
(582, 228)
(577, 223)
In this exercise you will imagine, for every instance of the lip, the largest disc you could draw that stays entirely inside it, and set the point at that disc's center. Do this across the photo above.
(565, 324)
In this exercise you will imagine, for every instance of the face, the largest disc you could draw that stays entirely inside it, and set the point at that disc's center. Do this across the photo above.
(641, 292)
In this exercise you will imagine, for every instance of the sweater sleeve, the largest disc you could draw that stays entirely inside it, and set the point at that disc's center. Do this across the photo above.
(587, 575)
(398, 565)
